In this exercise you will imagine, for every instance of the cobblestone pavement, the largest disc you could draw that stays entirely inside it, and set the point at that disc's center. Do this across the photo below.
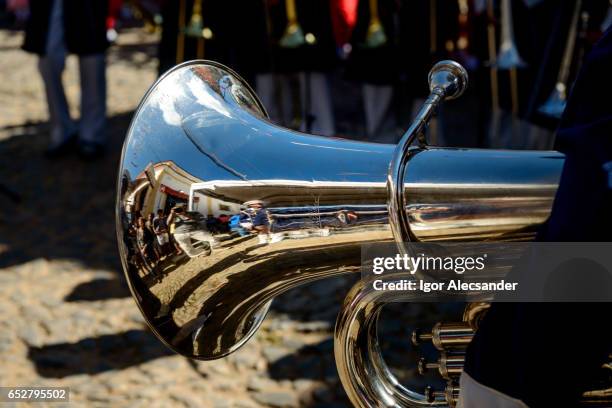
(67, 318)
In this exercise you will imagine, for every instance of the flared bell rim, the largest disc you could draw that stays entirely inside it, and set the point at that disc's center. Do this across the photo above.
(450, 77)
(258, 315)
(243, 82)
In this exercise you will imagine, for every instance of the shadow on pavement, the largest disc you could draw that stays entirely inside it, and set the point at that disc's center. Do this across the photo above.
(99, 289)
(64, 207)
(311, 361)
(98, 354)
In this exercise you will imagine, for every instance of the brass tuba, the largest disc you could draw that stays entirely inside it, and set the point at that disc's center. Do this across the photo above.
(200, 146)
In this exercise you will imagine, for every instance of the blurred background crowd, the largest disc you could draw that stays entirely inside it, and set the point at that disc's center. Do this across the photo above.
(335, 67)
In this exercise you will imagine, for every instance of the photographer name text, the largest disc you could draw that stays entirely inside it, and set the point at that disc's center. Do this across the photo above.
(452, 285)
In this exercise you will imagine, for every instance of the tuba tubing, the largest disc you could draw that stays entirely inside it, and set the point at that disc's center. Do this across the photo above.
(366, 378)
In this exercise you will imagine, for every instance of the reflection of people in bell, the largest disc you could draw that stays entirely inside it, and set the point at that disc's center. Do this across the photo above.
(160, 226)
(259, 221)
(151, 231)
(144, 240)
(548, 354)
(346, 217)
(234, 224)
(189, 234)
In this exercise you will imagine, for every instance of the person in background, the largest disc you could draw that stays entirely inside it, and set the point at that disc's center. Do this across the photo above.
(20, 8)
(212, 224)
(234, 224)
(246, 219)
(144, 239)
(155, 244)
(54, 29)
(523, 338)
(114, 8)
(187, 232)
(160, 227)
(259, 222)
(373, 62)
(296, 53)
(223, 223)
(195, 29)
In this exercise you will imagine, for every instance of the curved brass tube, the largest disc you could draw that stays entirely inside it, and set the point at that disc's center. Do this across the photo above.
(365, 376)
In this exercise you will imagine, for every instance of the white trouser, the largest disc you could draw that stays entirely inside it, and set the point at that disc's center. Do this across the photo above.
(274, 90)
(93, 87)
(316, 102)
(377, 105)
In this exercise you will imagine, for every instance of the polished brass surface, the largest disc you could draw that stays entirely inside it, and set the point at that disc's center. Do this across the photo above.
(451, 335)
(449, 365)
(200, 149)
(474, 312)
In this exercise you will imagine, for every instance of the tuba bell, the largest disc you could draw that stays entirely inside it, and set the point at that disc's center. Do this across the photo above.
(201, 146)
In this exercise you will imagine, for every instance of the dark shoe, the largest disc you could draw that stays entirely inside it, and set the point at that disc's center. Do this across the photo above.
(91, 150)
(62, 149)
